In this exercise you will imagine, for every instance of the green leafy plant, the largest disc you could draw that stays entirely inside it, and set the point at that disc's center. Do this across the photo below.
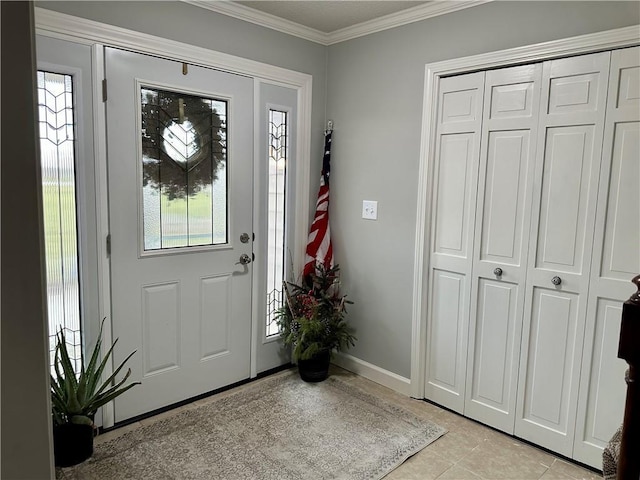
(76, 398)
(312, 320)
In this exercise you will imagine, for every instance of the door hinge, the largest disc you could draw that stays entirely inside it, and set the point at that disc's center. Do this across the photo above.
(108, 244)
(253, 257)
(104, 90)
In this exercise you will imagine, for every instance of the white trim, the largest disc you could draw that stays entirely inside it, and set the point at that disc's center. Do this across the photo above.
(393, 20)
(255, 227)
(257, 17)
(622, 37)
(398, 19)
(102, 214)
(82, 30)
(372, 372)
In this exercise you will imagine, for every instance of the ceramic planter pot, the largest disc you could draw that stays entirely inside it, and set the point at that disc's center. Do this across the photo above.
(316, 369)
(72, 444)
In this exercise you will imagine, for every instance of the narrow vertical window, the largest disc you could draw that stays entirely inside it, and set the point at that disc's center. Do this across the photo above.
(278, 149)
(57, 152)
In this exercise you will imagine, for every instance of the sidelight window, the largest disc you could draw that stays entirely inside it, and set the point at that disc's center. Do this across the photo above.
(278, 148)
(57, 160)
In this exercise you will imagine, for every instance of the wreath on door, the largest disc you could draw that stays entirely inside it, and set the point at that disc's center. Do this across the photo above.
(183, 142)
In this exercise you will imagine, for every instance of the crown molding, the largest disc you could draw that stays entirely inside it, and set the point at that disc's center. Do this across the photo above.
(263, 19)
(403, 17)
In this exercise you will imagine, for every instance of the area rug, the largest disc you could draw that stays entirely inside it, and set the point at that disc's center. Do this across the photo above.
(277, 429)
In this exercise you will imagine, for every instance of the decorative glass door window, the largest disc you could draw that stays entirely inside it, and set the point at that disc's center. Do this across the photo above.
(278, 148)
(57, 161)
(184, 169)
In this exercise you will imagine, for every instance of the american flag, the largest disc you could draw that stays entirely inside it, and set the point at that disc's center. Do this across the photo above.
(319, 249)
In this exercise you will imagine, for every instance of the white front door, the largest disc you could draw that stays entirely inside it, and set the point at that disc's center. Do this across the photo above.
(180, 146)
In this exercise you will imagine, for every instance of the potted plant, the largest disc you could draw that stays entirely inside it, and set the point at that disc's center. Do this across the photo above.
(312, 321)
(75, 399)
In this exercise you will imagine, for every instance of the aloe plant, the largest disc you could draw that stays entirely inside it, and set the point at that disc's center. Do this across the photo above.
(76, 398)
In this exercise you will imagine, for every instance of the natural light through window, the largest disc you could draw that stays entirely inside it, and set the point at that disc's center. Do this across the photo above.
(184, 169)
(278, 149)
(57, 152)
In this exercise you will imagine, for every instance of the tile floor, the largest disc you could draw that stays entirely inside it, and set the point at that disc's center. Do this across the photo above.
(468, 451)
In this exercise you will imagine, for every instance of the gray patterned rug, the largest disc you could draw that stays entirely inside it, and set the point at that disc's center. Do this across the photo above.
(280, 428)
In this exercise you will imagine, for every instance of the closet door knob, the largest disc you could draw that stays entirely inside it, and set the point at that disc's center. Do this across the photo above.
(497, 272)
(556, 280)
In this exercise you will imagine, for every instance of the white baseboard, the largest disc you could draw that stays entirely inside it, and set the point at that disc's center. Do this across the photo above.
(374, 373)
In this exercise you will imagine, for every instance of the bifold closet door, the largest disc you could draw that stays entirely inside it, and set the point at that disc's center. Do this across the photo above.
(453, 210)
(564, 205)
(616, 260)
(507, 156)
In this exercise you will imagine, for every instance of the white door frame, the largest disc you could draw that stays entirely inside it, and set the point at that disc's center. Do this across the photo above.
(99, 35)
(618, 38)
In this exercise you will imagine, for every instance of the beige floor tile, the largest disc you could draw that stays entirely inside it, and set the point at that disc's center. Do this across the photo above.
(454, 446)
(458, 473)
(553, 475)
(521, 449)
(502, 463)
(424, 465)
(574, 471)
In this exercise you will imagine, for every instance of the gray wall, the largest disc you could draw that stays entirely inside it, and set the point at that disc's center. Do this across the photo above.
(196, 26)
(375, 86)
(26, 414)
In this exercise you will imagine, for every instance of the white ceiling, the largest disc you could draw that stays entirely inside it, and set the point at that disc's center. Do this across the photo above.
(328, 16)
(332, 21)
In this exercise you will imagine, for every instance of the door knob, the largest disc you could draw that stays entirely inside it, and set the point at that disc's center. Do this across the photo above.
(556, 280)
(244, 259)
(497, 272)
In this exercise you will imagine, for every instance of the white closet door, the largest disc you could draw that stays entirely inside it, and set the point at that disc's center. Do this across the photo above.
(565, 194)
(454, 196)
(507, 156)
(616, 260)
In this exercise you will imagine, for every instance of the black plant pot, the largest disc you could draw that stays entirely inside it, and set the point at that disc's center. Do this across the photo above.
(316, 369)
(72, 444)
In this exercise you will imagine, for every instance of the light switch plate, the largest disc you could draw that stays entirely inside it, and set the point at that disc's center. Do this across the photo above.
(370, 209)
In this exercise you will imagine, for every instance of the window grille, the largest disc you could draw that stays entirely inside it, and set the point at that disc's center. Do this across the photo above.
(184, 163)
(278, 148)
(57, 157)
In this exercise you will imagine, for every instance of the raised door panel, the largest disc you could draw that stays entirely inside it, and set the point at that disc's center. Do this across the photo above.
(551, 368)
(565, 200)
(452, 214)
(605, 391)
(566, 181)
(507, 153)
(447, 355)
(621, 252)
(491, 385)
(503, 222)
(616, 260)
